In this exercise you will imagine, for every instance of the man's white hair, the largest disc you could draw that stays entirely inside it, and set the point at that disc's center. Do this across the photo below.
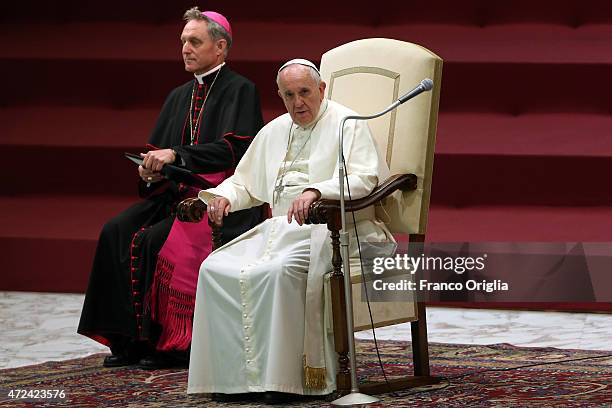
(314, 72)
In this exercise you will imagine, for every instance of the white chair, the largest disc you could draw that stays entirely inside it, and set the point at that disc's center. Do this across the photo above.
(367, 76)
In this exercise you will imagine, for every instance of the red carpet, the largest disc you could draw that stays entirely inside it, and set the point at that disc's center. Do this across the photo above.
(477, 376)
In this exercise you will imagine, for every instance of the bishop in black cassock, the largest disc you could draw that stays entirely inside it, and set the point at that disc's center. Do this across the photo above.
(209, 122)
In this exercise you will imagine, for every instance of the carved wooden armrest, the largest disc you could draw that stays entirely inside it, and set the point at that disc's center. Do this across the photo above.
(191, 210)
(217, 234)
(328, 211)
(194, 210)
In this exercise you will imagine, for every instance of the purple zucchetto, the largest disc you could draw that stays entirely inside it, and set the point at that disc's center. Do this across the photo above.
(219, 19)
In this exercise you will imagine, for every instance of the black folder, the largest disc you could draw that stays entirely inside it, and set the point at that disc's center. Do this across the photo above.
(175, 173)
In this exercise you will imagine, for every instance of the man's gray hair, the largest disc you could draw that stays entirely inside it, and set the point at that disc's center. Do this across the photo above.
(313, 73)
(215, 30)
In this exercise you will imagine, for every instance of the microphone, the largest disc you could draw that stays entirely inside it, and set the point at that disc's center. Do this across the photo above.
(424, 86)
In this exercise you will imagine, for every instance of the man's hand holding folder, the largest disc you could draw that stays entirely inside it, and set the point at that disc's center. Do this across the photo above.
(153, 168)
(154, 160)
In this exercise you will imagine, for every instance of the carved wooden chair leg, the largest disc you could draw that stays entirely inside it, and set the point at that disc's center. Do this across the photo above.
(343, 377)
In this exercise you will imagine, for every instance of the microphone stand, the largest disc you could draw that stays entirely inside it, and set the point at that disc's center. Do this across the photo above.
(355, 398)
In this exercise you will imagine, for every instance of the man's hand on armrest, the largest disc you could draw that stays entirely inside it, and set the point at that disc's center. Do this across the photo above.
(218, 207)
(300, 206)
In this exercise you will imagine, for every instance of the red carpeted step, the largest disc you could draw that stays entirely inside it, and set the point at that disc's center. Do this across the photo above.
(498, 159)
(82, 126)
(553, 134)
(466, 87)
(473, 12)
(473, 179)
(73, 217)
(46, 265)
(535, 67)
(76, 126)
(500, 43)
(459, 179)
(549, 159)
(73, 150)
(67, 170)
(519, 223)
(47, 243)
(550, 134)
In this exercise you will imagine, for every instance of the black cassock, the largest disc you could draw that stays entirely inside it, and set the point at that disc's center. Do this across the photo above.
(114, 313)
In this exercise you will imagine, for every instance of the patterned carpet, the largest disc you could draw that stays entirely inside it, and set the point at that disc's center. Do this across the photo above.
(484, 377)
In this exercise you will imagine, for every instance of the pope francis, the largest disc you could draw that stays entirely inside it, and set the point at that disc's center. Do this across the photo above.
(259, 322)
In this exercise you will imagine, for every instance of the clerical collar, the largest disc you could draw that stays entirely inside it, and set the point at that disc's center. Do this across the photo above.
(200, 77)
(322, 110)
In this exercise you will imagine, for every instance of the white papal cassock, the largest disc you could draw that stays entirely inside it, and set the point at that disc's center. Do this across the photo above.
(259, 321)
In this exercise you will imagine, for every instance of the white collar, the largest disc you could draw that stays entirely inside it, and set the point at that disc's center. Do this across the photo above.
(200, 77)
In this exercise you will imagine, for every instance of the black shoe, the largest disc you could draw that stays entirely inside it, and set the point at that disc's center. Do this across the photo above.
(273, 397)
(160, 361)
(125, 353)
(119, 360)
(247, 396)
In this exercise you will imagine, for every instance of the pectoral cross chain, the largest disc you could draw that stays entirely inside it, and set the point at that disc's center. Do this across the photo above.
(278, 190)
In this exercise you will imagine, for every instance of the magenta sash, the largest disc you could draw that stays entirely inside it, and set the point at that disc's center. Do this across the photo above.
(171, 298)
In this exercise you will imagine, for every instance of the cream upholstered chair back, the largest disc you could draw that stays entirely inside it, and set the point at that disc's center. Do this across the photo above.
(367, 76)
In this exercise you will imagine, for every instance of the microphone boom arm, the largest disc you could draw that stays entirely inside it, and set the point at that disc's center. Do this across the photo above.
(355, 397)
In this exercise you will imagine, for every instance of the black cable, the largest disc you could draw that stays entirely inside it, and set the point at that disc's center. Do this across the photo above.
(363, 279)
